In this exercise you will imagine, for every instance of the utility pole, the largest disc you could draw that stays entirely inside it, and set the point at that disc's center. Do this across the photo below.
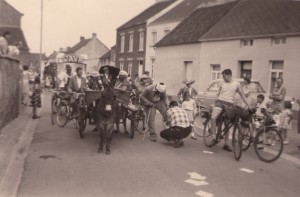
(41, 36)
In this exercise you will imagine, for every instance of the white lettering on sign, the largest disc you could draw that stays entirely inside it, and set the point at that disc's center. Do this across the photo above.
(71, 59)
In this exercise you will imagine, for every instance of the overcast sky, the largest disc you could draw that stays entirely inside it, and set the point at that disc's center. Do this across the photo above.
(66, 20)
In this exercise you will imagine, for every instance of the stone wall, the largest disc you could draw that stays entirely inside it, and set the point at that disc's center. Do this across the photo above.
(10, 90)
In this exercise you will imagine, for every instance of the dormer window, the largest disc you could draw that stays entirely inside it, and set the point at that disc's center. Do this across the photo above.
(278, 40)
(246, 42)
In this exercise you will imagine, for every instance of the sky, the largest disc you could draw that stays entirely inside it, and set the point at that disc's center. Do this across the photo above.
(64, 21)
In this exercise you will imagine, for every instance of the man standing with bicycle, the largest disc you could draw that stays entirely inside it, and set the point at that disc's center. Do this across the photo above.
(225, 97)
(76, 84)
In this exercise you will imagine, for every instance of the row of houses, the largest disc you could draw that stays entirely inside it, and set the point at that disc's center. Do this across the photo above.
(177, 40)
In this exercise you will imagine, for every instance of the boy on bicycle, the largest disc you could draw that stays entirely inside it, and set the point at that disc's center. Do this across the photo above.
(225, 97)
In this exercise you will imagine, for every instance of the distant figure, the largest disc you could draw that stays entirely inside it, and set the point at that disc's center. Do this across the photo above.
(188, 88)
(26, 89)
(278, 95)
(36, 101)
(6, 36)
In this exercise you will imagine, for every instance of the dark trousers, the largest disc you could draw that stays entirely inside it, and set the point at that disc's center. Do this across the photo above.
(175, 133)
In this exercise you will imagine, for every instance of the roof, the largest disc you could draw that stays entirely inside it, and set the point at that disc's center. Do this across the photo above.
(146, 14)
(12, 7)
(252, 18)
(191, 29)
(17, 36)
(180, 11)
(78, 46)
(106, 55)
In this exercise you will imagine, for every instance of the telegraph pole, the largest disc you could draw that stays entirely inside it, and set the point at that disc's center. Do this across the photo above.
(41, 36)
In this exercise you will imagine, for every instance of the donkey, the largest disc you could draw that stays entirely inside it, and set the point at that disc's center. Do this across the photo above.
(106, 115)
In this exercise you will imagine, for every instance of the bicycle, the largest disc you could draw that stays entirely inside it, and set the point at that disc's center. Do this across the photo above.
(199, 117)
(234, 122)
(268, 142)
(66, 113)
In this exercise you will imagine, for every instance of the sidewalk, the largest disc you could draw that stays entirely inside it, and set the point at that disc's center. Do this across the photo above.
(15, 140)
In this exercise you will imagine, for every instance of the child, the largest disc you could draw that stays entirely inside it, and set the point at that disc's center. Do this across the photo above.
(189, 105)
(36, 98)
(286, 117)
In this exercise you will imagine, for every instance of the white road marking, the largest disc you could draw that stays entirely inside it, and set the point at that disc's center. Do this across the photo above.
(246, 170)
(208, 152)
(196, 182)
(195, 175)
(204, 194)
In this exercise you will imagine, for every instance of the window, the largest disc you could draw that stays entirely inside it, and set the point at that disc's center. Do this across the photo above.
(130, 68)
(188, 70)
(152, 67)
(122, 65)
(275, 72)
(215, 71)
(246, 69)
(113, 56)
(122, 43)
(278, 40)
(154, 37)
(130, 42)
(246, 42)
(141, 41)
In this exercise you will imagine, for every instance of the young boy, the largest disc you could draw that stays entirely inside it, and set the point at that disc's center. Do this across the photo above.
(189, 105)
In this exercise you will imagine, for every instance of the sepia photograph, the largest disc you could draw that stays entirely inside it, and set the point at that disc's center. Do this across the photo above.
(150, 98)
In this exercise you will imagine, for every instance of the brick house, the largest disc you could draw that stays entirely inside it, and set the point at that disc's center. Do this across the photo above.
(255, 38)
(131, 40)
(92, 49)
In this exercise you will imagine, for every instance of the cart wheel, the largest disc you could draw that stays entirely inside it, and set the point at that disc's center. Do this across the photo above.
(62, 114)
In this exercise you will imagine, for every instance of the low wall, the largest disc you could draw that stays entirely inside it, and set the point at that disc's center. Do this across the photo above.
(10, 90)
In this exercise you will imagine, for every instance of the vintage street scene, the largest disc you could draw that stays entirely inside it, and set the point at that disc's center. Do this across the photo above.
(149, 98)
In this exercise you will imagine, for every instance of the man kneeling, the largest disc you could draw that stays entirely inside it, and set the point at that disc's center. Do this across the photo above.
(179, 125)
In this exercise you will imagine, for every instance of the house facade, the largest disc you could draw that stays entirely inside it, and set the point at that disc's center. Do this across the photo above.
(161, 26)
(91, 49)
(131, 40)
(108, 58)
(265, 46)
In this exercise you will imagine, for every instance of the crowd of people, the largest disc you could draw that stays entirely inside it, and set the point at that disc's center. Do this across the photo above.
(178, 116)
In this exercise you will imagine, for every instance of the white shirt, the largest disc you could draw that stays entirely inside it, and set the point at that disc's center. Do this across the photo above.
(78, 82)
(189, 105)
(228, 91)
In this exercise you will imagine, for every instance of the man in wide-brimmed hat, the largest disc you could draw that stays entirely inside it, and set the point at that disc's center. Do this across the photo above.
(188, 88)
(109, 75)
(154, 97)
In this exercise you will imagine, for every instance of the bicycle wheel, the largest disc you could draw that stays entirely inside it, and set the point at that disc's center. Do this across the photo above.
(207, 133)
(53, 109)
(140, 122)
(198, 125)
(268, 145)
(82, 119)
(62, 114)
(246, 137)
(237, 142)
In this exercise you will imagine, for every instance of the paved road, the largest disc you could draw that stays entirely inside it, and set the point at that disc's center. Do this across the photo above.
(59, 163)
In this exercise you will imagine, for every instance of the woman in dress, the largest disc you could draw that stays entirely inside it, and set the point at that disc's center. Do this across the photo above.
(277, 96)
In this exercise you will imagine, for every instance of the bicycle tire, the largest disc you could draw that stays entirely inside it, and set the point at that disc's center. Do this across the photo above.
(62, 114)
(246, 136)
(207, 133)
(141, 121)
(53, 110)
(237, 141)
(268, 152)
(198, 126)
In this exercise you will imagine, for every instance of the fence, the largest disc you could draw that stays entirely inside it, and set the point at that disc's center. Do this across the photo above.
(10, 90)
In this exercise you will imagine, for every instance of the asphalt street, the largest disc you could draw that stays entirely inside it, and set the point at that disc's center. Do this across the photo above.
(59, 163)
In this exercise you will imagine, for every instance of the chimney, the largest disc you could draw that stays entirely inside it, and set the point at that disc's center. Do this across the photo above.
(94, 35)
(81, 38)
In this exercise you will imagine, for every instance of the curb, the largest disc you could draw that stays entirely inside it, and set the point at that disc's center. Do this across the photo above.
(13, 165)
